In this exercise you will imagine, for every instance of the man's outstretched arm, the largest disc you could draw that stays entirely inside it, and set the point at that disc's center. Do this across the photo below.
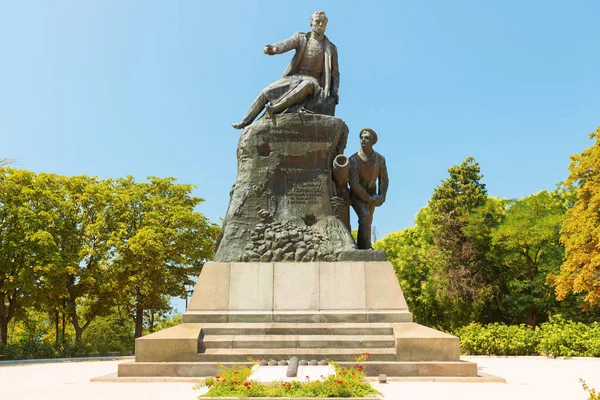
(283, 46)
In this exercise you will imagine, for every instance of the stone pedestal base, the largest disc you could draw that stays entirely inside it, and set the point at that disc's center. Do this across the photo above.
(333, 311)
(298, 292)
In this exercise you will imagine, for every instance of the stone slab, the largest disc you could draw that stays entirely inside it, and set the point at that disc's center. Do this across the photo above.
(383, 291)
(212, 289)
(343, 316)
(416, 342)
(174, 369)
(418, 368)
(393, 368)
(178, 343)
(190, 317)
(251, 286)
(389, 316)
(481, 377)
(362, 255)
(296, 286)
(342, 286)
(336, 316)
(298, 292)
(461, 368)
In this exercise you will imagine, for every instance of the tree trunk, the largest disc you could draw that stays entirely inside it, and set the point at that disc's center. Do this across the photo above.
(139, 321)
(56, 325)
(72, 307)
(532, 318)
(151, 328)
(3, 321)
(3, 330)
(5, 316)
(73, 311)
(62, 339)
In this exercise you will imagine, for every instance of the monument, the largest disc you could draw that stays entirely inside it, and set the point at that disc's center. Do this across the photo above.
(288, 278)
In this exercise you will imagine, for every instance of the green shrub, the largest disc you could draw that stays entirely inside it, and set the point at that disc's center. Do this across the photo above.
(563, 338)
(29, 348)
(109, 334)
(73, 349)
(557, 338)
(497, 339)
(9, 352)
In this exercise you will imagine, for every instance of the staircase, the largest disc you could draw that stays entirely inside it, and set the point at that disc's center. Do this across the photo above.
(396, 349)
(233, 342)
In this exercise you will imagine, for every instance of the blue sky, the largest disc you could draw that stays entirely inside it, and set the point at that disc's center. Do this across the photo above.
(115, 88)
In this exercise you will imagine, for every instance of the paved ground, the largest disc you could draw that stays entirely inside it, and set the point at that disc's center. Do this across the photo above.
(526, 377)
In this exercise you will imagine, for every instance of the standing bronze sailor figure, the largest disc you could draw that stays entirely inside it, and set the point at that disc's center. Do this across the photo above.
(368, 184)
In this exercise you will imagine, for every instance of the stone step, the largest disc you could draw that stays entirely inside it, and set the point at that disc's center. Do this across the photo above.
(337, 354)
(417, 368)
(371, 368)
(297, 329)
(297, 341)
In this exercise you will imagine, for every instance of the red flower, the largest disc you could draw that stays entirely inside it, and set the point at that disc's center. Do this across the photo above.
(234, 383)
(247, 384)
(287, 385)
(235, 373)
(360, 368)
(218, 377)
(339, 382)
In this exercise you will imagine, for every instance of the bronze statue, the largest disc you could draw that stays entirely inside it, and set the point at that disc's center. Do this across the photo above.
(311, 81)
(366, 168)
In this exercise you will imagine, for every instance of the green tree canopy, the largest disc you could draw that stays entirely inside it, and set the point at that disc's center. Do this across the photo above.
(528, 247)
(160, 242)
(78, 279)
(414, 256)
(24, 242)
(465, 278)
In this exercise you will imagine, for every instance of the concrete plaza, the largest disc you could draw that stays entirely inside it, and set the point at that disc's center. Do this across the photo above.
(526, 378)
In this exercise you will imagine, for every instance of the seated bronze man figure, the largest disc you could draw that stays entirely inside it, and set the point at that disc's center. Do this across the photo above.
(311, 81)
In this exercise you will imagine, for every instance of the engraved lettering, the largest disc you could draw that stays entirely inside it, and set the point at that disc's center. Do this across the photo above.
(306, 193)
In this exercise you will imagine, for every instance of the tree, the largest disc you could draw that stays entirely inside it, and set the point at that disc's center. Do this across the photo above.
(414, 257)
(465, 279)
(6, 161)
(528, 240)
(77, 280)
(580, 273)
(159, 241)
(23, 243)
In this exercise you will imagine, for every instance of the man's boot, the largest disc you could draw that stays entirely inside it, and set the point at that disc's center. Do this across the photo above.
(255, 109)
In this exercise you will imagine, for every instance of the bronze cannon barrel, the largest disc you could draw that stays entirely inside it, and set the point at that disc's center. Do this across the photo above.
(341, 169)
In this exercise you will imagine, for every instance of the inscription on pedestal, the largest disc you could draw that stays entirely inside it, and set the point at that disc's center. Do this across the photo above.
(306, 193)
(307, 137)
